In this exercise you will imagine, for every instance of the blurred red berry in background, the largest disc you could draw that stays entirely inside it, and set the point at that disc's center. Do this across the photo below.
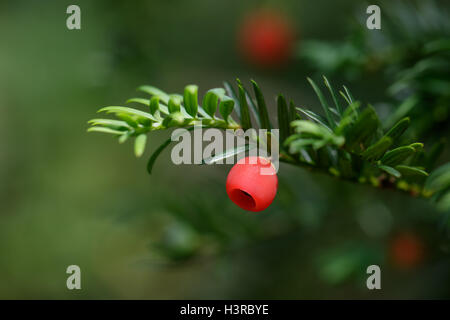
(248, 187)
(406, 250)
(266, 38)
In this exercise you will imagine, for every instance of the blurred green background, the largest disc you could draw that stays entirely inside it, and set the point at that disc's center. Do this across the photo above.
(69, 197)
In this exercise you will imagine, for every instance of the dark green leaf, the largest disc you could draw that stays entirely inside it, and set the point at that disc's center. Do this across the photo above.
(154, 104)
(211, 99)
(411, 171)
(174, 104)
(398, 129)
(245, 116)
(155, 155)
(376, 151)
(262, 109)
(283, 118)
(316, 117)
(191, 100)
(348, 118)
(324, 103)
(232, 94)
(418, 146)
(226, 107)
(253, 107)
(397, 155)
(391, 171)
(363, 129)
(292, 115)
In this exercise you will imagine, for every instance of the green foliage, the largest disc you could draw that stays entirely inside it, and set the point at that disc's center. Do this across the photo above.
(243, 108)
(263, 116)
(413, 56)
(166, 111)
(349, 142)
(211, 99)
(190, 100)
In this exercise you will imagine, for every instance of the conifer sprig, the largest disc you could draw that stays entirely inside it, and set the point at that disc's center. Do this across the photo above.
(348, 142)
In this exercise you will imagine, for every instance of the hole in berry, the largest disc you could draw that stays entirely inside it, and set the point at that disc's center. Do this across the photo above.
(243, 199)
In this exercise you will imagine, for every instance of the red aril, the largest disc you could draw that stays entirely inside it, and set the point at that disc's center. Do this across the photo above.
(266, 38)
(250, 186)
(406, 250)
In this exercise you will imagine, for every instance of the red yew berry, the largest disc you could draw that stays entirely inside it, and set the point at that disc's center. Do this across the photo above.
(266, 38)
(406, 250)
(252, 183)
